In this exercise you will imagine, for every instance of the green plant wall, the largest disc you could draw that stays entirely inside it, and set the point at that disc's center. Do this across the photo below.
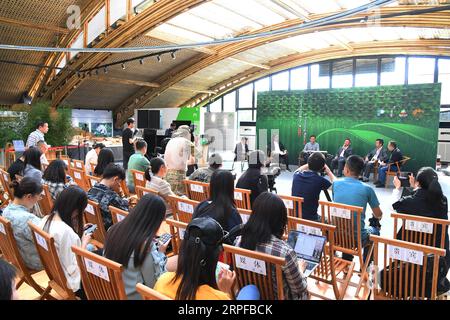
(408, 114)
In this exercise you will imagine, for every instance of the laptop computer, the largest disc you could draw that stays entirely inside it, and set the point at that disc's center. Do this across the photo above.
(308, 247)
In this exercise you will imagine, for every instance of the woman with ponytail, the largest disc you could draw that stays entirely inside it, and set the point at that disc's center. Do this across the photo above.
(27, 193)
(155, 175)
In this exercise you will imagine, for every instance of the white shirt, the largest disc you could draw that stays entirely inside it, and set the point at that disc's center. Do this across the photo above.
(65, 238)
(34, 138)
(343, 151)
(178, 152)
(91, 157)
(44, 159)
(377, 154)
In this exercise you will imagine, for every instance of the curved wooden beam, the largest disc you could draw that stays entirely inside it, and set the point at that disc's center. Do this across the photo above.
(154, 15)
(145, 95)
(397, 47)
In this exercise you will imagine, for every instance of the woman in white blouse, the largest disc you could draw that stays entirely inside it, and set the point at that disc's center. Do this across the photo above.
(65, 225)
(155, 175)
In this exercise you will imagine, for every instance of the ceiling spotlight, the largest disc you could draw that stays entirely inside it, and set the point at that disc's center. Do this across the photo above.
(172, 54)
(105, 69)
(123, 66)
(158, 57)
(364, 20)
(141, 61)
(89, 73)
(96, 72)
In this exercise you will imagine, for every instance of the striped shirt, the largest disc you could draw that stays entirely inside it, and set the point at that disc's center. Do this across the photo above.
(163, 188)
(34, 138)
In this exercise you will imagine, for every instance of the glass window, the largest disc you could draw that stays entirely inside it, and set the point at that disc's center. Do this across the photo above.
(444, 78)
(342, 74)
(320, 75)
(118, 10)
(246, 96)
(421, 70)
(280, 81)
(392, 71)
(78, 43)
(97, 25)
(245, 115)
(262, 85)
(366, 72)
(216, 106)
(229, 102)
(62, 64)
(299, 78)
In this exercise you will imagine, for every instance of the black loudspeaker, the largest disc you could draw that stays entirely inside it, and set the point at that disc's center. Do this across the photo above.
(150, 137)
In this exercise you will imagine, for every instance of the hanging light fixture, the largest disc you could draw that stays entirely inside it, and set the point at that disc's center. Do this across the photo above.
(105, 69)
(141, 61)
(158, 57)
(123, 66)
(173, 55)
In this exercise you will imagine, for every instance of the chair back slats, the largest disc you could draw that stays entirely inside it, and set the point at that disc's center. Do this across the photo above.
(150, 294)
(245, 214)
(141, 191)
(182, 208)
(138, 178)
(45, 245)
(197, 191)
(93, 214)
(421, 230)
(117, 214)
(78, 164)
(177, 229)
(403, 270)
(125, 190)
(293, 205)
(92, 180)
(257, 268)
(101, 277)
(6, 181)
(46, 203)
(242, 198)
(79, 176)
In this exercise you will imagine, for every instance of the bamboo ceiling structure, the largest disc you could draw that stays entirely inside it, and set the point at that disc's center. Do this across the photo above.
(197, 75)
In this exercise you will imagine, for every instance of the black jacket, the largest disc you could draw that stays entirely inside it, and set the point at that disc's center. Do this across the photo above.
(253, 180)
(395, 156)
(347, 152)
(381, 157)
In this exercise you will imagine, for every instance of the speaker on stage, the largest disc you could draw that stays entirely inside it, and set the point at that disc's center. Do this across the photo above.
(150, 137)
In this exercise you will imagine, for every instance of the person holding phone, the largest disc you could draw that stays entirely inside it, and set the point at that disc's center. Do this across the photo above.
(134, 244)
(65, 225)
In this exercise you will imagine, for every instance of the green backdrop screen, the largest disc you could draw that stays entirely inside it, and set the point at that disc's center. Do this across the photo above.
(408, 114)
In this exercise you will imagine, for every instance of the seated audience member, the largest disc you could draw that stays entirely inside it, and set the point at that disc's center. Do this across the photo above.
(92, 157)
(43, 148)
(220, 206)
(195, 276)
(241, 150)
(16, 168)
(310, 147)
(8, 276)
(253, 179)
(133, 243)
(27, 193)
(427, 200)
(353, 192)
(65, 225)
(395, 156)
(204, 174)
(264, 233)
(376, 155)
(105, 157)
(55, 176)
(308, 183)
(342, 154)
(32, 164)
(169, 131)
(138, 161)
(155, 180)
(279, 152)
(105, 192)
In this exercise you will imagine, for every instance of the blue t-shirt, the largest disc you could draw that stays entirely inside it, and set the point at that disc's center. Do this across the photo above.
(308, 185)
(353, 192)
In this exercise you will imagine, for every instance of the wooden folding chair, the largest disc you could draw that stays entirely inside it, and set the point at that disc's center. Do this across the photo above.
(182, 208)
(79, 176)
(347, 220)
(196, 190)
(68, 163)
(420, 230)
(399, 164)
(293, 205)
(177, 229)
(256, 268)
(10, 252)
(117, 214)
(150, 294)
(138, 178)
(245, 214)
(330, 265)
(101, 277)
(45, 245)
(93, 214)
(46, 202)
(79, 164)
(242, 198)
(92, 180)
(405, 267)
(6, 181)
(141, 191)
(123, 186)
